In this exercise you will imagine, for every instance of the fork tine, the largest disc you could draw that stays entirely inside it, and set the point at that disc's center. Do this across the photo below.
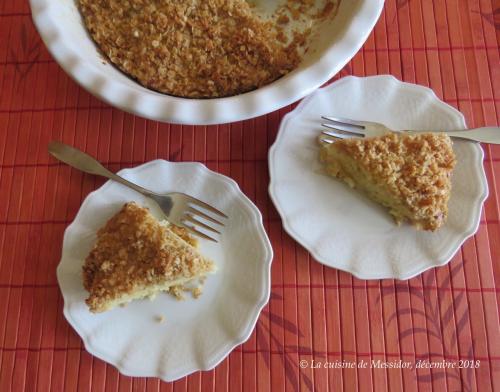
(343, 120)
(340, 135)
(353, 129)
(194, 211)
(192, 219)
(206, 206)
(198, 233)
(326, 140)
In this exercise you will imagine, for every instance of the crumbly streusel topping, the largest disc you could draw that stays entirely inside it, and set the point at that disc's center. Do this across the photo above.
(198, 49)
(415, 168)
(193, 48)
(134, 250)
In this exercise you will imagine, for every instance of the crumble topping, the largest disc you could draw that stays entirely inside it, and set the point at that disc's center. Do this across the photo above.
(197, 48)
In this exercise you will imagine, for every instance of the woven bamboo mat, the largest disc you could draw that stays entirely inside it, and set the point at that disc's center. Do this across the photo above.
(315, 313)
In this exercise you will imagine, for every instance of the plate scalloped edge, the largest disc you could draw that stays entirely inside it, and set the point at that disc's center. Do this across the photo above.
(479, 156)
(222, 352)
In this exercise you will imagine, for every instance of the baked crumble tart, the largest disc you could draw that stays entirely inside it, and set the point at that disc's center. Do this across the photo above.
(136, 256)
(410, 174)
(198, 48)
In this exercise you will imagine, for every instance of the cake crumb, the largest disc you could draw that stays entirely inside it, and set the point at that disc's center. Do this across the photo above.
(160, 318)
(176, 291)
(196, 292)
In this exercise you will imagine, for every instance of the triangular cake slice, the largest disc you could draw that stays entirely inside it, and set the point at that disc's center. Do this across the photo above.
(136, 256)
(409, 173)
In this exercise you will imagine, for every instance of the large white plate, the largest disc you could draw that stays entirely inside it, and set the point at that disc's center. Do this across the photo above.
(342, 228)
(336, 42)
(196, 334)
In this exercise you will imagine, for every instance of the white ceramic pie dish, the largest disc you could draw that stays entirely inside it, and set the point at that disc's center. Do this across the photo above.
(339, 226)
(196, 334)
(61, 28)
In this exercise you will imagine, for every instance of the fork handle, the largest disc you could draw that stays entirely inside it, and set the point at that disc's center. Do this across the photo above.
(484, 135)
(85, 163)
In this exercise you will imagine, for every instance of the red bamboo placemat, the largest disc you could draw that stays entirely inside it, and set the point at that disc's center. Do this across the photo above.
(316, 315)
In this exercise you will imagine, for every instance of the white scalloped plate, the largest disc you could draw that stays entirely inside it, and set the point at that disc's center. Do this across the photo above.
(335, 43)
(196, 334)
(340, 227)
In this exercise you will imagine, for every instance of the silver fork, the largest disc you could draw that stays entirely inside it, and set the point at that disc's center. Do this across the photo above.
(343, 128)
(180, 209)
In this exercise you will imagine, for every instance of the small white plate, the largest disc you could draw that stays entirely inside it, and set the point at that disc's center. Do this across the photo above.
(342, 228)
(196, 334)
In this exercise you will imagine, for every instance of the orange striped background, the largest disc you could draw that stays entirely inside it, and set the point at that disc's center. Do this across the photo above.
(315, 312)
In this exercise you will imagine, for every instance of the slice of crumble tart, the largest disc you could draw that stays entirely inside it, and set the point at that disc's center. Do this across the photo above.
(136, 256)
(409, 173)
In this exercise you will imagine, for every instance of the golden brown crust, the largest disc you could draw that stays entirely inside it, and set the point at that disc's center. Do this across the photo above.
(414, 168)
(194, 48)
(134, 251)
(184, 234)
